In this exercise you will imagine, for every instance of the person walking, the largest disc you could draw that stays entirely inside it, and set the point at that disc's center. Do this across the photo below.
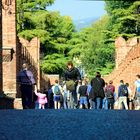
(109, 94)
(57, 91)
(97, 94)
(26, 81)
(137, 93)
(42, 99)
(82, 92)
(122, 95)
(71, 76)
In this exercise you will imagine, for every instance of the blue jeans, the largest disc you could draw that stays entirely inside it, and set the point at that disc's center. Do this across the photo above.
(83, 100)
(98, 101)
(65, 100)
(70, 100)
(105, 103)
(92, 104)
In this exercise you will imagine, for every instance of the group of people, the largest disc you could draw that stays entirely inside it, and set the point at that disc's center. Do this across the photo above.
(76, 92)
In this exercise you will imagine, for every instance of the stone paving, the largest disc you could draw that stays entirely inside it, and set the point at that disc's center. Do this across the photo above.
(69, 125)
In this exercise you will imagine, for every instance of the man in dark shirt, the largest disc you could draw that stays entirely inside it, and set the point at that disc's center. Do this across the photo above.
(71, 76)
(26, 81)
(97, 94)
(82, 92)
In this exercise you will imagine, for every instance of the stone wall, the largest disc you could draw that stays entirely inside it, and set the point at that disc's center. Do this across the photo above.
(0, 46)
(9, 47)
(31, 55)
(128, 63)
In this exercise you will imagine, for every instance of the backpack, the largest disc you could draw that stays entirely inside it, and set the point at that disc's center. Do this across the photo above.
(70, 85)
(124, 90)
(109, 93)
(57, 90)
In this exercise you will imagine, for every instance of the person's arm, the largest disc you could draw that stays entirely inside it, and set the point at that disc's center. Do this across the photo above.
(32, 78)
(35, 91)
(79, 91)
(78, 75)
(103, 83)
(119, 90)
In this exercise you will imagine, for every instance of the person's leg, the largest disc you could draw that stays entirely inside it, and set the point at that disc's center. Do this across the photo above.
(43, 106)
(105, 103)
(49, 100)
(119, 102)
(71, 100)
(81, 102)
(68, 99)
(111, 103)
(99, 102)
(92, 104)
(40, 105)
(85, 102)
(74, 94)
(29, 96)
(125, 103)
(55, 104)
(23, 96)
(23, 101)
(58, 104)
(65, 101)
(108, 103)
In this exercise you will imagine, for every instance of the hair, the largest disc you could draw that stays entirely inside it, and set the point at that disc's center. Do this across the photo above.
(106, 83)
(121, 81)
(70, 64)
(110, 82)
(98, 74)
(24, 65)
(138, 75)
(127, 84)
(56, 81)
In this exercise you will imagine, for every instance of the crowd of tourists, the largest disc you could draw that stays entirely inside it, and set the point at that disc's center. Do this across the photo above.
(74, 92)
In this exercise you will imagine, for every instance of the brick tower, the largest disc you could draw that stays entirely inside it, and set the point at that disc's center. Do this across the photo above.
(0, 46)
(9, 47)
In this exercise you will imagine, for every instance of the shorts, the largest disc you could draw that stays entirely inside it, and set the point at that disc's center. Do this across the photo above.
(83, 100)
(57, 98)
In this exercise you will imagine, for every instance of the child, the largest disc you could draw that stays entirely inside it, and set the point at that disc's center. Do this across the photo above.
(57, 94)
(82, 92)
(42, 99)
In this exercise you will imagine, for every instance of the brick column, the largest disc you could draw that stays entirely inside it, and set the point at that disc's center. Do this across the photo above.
(0, 46)
(9, 47)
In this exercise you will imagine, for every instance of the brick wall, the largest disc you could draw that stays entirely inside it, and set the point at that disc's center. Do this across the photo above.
(128, 66)
(0, 46)
(9, 48)
(31, 55)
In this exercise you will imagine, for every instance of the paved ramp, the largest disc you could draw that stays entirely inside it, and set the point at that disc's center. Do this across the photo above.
(69, 125)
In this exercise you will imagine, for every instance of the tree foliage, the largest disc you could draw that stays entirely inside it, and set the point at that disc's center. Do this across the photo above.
(124, 18)
(93, 47)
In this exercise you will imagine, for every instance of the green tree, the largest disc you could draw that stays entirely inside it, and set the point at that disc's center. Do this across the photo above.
(124, 18)
(54, 31)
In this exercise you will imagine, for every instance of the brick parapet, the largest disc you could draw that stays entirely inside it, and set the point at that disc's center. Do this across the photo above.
(127, 69)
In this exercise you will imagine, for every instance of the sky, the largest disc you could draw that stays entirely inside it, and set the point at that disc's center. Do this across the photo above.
(79, 9)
